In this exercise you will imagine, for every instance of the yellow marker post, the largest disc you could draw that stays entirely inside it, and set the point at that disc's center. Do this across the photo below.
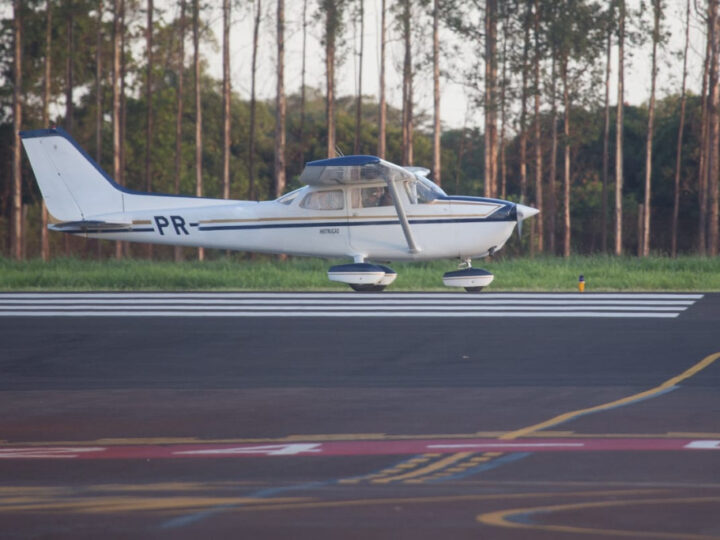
(581, 283)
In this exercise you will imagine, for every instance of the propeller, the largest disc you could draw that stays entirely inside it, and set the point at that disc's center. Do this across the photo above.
(523, 212)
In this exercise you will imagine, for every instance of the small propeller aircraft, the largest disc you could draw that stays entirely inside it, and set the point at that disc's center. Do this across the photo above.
(359, 207)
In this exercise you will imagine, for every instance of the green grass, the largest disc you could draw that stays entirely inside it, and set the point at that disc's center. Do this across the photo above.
(266, 273)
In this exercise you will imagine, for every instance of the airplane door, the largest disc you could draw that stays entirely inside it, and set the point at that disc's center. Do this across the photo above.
(373, 223)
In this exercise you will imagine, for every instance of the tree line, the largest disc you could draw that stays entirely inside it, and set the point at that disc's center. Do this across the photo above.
(127, 80)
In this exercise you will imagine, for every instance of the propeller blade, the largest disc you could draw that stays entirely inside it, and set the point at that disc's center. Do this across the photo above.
(523, 212)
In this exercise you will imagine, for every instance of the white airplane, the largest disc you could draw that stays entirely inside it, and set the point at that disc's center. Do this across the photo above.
(359, 207)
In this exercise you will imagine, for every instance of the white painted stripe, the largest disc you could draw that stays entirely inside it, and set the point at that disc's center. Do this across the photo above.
(369, 296)
(509, 445)
(221, 304)
(343, 302)
(455, 313)
(339, 307)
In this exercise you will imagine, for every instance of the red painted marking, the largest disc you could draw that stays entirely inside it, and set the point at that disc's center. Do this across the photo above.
(355, 448)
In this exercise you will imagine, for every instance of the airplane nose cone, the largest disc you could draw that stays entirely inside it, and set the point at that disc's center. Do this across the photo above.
(524, 212)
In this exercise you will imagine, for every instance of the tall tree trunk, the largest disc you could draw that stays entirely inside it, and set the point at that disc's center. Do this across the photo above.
(118, 8)
(358, 102)
(148, 96)
(124, 246)
(149, 108)
(490, 98)
(226, 100)
(198, 110)
(407, 110)
(503, 87)
(98, 84)
(382, 113)
(651, 121)
(44, 239)
(280, 103)
(70, 26)
(523, 108)
(703, 161)
(301, 135)
(98, 98)
(253, 103)
(69, 106)
(606, 142)
(17, 217)
(538, 141)
(179, 112)
(566, 175)
(331, 23)
(619, 130)
(552, 181)
(681, 128)
(714, 132)
(436, 170)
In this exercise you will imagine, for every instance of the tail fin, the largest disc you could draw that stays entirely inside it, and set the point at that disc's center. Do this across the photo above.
(72, 184)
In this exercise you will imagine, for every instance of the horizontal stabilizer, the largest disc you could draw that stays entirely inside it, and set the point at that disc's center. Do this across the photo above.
(90, 225)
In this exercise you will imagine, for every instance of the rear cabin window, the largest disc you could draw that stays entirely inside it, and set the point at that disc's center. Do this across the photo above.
(324, 200)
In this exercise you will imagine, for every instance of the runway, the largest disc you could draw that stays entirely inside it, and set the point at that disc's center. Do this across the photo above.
(384, 426)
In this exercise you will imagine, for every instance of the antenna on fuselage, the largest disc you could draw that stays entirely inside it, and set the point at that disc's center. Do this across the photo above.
(338, 151)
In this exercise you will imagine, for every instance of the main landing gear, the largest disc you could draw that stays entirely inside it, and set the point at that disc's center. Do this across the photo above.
(472, 279)
(366, 277)
(363, 277)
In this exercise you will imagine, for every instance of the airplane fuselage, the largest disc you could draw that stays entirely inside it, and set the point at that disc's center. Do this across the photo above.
(446, 227)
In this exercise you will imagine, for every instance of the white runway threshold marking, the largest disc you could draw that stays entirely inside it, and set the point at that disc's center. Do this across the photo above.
(237, 304)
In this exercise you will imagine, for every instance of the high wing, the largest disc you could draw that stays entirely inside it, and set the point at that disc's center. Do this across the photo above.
(352, 170)
(358, 170)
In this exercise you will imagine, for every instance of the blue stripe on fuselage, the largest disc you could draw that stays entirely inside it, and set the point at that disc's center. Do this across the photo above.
(345, 224)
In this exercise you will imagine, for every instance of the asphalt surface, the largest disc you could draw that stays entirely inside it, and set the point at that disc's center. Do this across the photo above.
(255, 405)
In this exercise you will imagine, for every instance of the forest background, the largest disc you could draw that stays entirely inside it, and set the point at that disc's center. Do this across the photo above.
(127, 79)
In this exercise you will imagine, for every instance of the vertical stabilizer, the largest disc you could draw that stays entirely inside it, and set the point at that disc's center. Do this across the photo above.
(72, 184)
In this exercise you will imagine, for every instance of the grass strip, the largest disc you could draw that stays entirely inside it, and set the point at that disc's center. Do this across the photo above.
(602, 273)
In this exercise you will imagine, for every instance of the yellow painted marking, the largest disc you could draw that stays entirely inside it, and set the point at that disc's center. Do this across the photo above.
(446, 498)
(705, 362)
(141, 222)
(441, 464)
(116, 441)
(501, 518)
(126, 504)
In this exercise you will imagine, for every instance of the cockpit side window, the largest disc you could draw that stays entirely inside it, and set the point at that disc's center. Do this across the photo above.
(371, 197)
(324, 200)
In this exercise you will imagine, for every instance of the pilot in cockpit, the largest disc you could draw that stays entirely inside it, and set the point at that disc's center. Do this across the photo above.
(376, 196)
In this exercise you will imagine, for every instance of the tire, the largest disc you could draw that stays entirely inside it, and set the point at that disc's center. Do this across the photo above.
(474, 289)
(366, 288)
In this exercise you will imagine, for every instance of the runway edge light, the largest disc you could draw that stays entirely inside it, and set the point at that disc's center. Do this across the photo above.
(581, 283)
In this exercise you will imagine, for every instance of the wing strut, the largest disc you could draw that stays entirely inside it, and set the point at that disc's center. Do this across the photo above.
(412, 245)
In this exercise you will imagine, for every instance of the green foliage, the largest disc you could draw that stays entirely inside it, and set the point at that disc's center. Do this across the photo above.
(266, 273)
(572, 27)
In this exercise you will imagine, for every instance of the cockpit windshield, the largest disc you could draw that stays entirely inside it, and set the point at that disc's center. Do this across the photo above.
(288, 198)
(423, 191)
